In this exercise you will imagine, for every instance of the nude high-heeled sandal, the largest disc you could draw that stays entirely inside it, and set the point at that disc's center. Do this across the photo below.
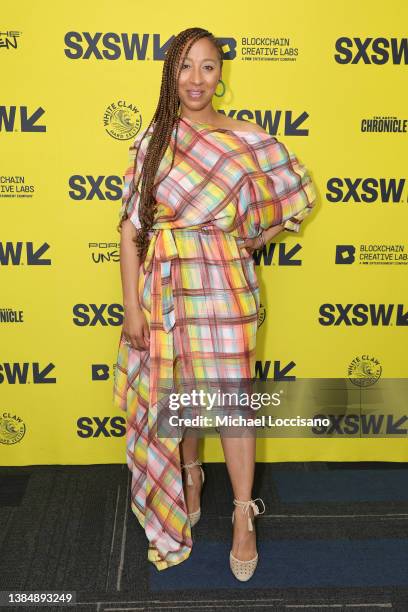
(243, 570)
(194, 517)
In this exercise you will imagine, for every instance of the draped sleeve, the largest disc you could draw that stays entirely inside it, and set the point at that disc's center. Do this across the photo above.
(129, 209)
(278, 188)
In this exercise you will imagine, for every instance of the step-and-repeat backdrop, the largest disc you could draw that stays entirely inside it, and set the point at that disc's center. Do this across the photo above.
(79, 81)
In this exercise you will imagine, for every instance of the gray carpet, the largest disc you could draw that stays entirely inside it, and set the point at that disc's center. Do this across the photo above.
(334, 536)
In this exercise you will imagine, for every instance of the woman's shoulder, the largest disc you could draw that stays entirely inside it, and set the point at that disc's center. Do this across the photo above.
(239, 125)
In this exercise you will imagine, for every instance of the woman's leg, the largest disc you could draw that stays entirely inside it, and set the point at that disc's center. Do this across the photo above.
(239, 455)
(189, 447)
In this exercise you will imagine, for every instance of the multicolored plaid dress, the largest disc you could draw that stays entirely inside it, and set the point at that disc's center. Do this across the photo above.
(200, 295)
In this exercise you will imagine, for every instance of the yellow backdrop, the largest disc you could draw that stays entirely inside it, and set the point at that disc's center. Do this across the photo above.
(79, 80)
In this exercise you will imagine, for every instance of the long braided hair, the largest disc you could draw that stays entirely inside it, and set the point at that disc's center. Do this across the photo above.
(165, 118)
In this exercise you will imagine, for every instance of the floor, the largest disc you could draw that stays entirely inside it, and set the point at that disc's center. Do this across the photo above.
(334, 536)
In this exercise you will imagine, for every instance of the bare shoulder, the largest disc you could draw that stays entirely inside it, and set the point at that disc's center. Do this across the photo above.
(246, 126)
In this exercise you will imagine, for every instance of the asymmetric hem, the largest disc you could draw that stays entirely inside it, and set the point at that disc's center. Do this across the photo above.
(199, 292)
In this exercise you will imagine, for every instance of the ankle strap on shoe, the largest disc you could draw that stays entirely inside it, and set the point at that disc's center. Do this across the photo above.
(190, 465)
(245, 505)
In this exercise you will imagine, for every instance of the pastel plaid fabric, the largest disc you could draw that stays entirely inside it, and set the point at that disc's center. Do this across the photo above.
(200, 295)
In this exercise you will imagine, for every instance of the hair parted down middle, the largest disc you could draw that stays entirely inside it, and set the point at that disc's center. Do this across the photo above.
(165, 118)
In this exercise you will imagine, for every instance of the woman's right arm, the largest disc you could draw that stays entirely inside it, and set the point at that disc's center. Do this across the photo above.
(135, 327)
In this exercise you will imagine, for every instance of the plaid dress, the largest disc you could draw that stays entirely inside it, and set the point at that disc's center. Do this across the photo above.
(200, 295)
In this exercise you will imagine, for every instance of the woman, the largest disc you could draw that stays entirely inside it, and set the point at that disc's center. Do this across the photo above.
(212, 190)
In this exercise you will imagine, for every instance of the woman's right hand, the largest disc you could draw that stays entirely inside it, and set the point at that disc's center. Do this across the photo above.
(136, 329)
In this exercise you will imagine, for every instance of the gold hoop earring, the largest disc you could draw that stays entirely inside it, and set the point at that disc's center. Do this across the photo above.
(221, 94)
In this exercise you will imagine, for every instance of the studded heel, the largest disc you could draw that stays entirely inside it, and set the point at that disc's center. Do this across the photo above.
(243, 570)
(194, 517)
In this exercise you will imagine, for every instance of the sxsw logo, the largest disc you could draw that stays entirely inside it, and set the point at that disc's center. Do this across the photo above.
(376, 315)
(24, 253)
(17, 373)
(33, 373)
(95, 188)
(106, 427)
(274, 122)
(362, 425)
(91, 315)
(280, 254)
(377, 51)
(114, 45)
(366, 190)
(274, 370)
(20, 119)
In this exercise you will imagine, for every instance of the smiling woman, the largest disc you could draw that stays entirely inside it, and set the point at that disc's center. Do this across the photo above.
(188, 78)
(211, 189)
(200, 73)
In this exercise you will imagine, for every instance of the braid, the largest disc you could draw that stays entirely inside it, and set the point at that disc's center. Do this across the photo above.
(164, 119)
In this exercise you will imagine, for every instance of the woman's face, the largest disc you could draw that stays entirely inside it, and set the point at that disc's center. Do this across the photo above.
(199, 76)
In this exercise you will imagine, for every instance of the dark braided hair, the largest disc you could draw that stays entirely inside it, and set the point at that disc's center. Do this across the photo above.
(165, 118)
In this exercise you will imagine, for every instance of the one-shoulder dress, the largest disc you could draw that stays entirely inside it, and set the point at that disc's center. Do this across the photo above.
(200, 295)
